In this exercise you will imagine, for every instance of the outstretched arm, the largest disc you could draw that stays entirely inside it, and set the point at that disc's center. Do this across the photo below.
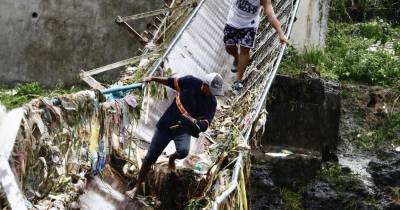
(161, 80)
(181, 83)
(269, 12)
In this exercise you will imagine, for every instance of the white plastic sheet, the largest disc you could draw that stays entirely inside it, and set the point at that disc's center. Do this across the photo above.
(9, 125)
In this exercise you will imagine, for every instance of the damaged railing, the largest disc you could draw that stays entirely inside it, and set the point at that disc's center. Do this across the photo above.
(262, 53)
(239, 161)
(176, 38)
(158, 34)
(123, 21)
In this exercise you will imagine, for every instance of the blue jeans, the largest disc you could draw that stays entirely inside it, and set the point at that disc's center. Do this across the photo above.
(160, 140)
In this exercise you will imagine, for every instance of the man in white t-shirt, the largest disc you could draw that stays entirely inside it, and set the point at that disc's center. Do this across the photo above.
(241, 28)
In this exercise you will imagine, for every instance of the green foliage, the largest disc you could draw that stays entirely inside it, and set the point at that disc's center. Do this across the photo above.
(376, 68)
(313, 60)
(197, 204)
(376, 30)
(338, 11)
(347, 56)
(350, 59)
(20, 95)
(387, 133)
(23, 93)
(363, 10)
(291, 200)
(396, 46)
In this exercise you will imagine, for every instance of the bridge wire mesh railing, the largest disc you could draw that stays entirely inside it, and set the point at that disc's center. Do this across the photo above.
(266, 58)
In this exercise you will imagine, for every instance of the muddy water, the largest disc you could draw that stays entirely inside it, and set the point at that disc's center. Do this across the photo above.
(358, 164)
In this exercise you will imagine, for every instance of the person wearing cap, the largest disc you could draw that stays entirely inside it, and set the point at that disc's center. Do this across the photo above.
(190, 113)
(240, 30)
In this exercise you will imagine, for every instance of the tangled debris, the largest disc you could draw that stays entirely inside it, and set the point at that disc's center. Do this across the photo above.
(63, 139)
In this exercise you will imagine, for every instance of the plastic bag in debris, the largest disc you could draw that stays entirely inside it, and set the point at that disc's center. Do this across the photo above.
(60, 140)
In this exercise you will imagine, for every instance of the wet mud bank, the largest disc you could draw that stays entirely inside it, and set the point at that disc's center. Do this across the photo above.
(310, 156)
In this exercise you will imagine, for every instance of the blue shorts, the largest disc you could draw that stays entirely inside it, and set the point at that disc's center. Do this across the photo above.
(244, 37)
(161, 140)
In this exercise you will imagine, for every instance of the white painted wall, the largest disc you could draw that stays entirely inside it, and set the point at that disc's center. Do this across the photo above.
(311, 26)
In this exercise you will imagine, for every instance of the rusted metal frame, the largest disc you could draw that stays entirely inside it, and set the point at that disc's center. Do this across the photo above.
(142, 40)
(120, 19)
(170, 25)
(176, 38)
(163, 23)
(154, 35)
(86, 76)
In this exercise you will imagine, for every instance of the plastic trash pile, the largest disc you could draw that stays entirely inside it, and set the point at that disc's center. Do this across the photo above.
(65, 138)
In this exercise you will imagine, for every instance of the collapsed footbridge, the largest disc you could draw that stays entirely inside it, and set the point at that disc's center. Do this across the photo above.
(69, 150)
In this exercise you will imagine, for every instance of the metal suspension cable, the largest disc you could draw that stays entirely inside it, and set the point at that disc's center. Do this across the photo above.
(239, 161)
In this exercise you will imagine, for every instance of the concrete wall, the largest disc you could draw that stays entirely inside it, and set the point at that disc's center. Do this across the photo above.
(51, 40)
(303, 113)
(310, 28)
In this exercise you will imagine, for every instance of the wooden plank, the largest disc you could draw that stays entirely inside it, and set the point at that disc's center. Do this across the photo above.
(110, 66)
(115, 65)
(92, 82)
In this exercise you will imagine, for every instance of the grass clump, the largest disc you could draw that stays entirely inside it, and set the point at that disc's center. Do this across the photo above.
(340, 176)
(346, 183)
(396, 46)
(395, 193)
(312, 61)
(197, 204)
(375, 30)
(292, 200)
(23, 93)
(386, 133)
(362, 10)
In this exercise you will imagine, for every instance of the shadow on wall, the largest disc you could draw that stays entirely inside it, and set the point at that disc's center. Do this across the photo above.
(48, 41)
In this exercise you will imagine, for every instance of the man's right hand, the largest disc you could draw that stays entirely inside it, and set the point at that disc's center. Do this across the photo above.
(283, 39)
(191, 126)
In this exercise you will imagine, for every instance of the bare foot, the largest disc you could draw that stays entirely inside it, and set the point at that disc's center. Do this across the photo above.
(171, 165)
(131, 193)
